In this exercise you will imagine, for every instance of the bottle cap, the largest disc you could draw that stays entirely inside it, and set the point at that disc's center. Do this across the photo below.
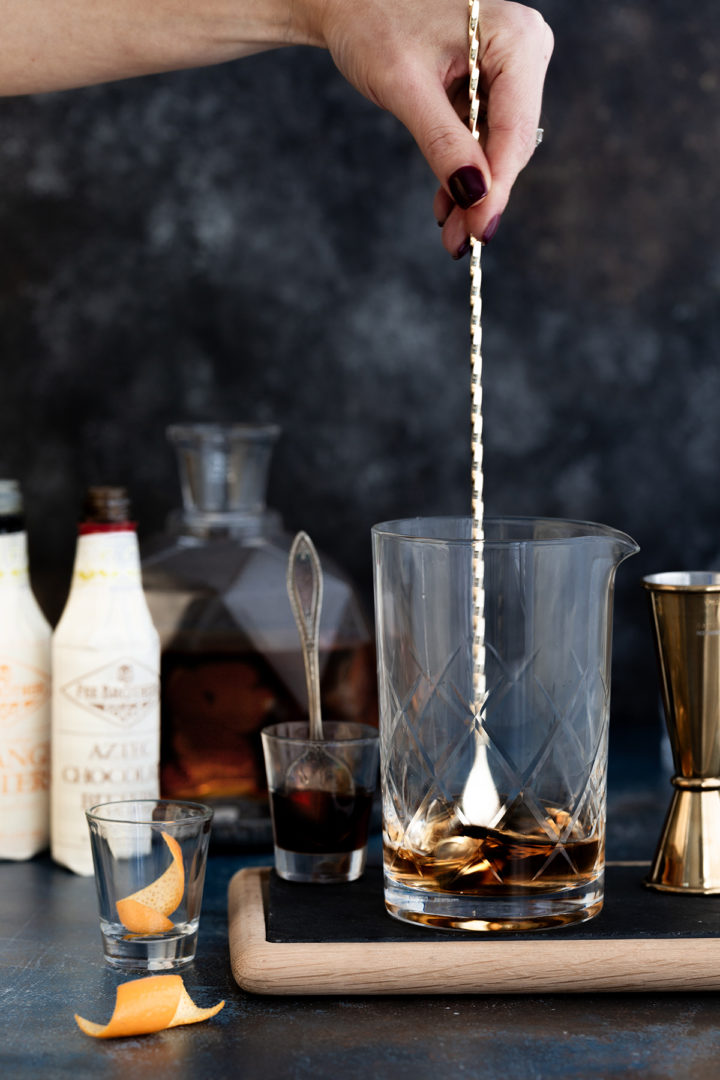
(11, 501)
(106, 506)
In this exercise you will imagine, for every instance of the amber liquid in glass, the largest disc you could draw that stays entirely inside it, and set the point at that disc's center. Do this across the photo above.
(520, 857)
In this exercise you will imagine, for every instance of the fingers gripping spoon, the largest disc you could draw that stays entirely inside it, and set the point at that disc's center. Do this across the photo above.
(316, 768)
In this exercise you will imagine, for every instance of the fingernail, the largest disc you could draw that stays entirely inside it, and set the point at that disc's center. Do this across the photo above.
(463, 249)
(467, 186)
(490, 229)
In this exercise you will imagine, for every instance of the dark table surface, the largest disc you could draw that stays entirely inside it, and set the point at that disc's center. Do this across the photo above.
(51, 966)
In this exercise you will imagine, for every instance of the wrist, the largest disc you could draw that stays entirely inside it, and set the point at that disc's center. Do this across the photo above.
(304, 22)
(235, 28)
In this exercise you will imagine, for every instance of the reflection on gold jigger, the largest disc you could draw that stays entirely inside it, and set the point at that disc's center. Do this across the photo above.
(685, 610)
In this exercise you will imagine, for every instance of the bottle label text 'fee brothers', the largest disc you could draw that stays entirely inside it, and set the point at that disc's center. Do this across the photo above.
(122, 692)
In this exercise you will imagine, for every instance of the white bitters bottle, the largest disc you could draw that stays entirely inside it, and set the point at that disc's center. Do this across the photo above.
(24, 693)
(106, 681)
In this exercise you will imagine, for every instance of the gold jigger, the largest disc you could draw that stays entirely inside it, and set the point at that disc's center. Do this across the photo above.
(685, 611)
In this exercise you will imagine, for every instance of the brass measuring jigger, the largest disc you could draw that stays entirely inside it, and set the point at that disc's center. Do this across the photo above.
(685, 610)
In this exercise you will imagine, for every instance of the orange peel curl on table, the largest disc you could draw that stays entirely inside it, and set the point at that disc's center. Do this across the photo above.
(146, 911)
(147, 1005)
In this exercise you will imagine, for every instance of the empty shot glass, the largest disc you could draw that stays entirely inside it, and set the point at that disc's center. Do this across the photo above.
(321, 794)
(149, 857)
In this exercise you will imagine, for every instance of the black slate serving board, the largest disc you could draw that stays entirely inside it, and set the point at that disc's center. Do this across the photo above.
(356, 912)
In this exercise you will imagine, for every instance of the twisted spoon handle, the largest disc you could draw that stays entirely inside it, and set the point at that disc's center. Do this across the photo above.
(478, 509)
(305, 590)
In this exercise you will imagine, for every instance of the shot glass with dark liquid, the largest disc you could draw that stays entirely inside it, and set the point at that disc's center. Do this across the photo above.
(321, 795)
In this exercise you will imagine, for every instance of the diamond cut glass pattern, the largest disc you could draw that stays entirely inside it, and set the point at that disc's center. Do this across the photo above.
(494, 813)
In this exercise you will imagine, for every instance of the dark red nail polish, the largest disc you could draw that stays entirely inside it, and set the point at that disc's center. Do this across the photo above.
(490, 229)
(467, 186)
(463, 249)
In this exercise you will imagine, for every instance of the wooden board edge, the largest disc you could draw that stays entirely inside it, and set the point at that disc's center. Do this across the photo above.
(456, 967)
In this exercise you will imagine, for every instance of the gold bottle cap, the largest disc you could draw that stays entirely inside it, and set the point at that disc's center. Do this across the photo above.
(106, 505)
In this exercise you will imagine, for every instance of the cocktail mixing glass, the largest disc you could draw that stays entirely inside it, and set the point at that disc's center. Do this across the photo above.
(494, 804)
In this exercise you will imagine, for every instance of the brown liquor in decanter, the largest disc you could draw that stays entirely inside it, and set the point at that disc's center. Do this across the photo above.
(231, 659)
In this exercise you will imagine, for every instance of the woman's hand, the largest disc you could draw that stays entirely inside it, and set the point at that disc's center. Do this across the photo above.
(411, 57)
(408, 56)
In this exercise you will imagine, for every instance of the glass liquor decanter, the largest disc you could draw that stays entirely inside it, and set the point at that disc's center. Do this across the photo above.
(231, 659)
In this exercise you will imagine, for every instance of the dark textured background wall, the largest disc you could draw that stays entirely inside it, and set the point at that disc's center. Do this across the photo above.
(256, 241)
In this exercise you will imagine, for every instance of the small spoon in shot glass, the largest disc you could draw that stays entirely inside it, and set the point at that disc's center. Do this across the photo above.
(316, 769)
